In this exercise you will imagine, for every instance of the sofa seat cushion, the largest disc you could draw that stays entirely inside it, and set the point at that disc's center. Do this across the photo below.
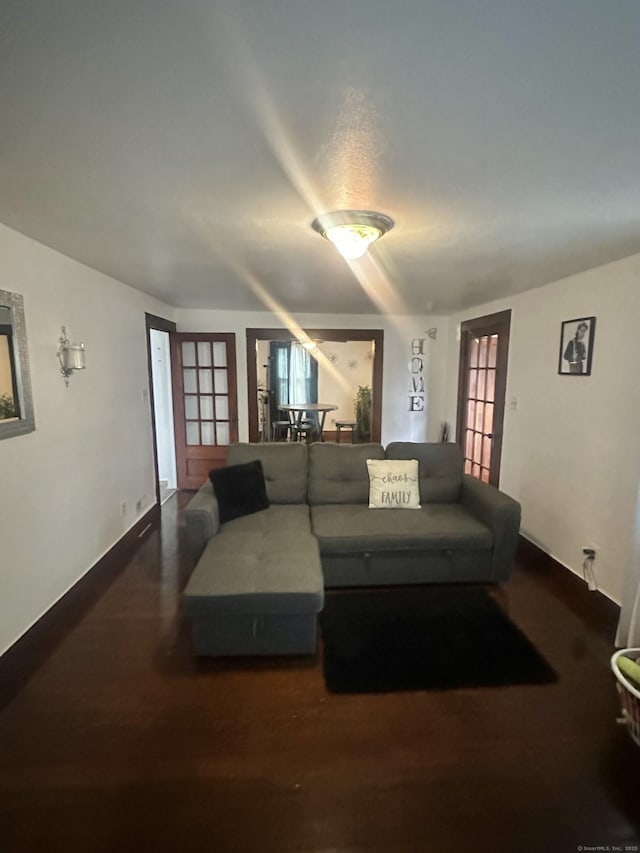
(353, 528)
(259, 564)
(276, 521)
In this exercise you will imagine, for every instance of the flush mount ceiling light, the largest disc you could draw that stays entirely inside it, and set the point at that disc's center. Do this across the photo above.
(352, 231)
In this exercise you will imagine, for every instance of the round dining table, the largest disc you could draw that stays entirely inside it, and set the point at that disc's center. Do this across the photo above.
(296, 411)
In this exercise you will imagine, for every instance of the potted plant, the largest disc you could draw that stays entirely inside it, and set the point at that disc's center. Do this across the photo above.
(7, 408)
(362, 406)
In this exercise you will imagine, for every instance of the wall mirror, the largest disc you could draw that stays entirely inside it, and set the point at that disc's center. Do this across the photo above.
(16, 405)
(346, 360)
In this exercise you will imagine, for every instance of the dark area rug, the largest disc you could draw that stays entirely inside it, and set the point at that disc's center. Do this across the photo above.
(426, 638)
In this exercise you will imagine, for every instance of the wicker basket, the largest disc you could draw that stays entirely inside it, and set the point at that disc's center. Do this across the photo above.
(629, 694)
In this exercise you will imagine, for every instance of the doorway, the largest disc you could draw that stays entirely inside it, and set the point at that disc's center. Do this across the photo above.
(482, 382)
(193, 394)
(159, 364)
(163, 413)
(372, 339)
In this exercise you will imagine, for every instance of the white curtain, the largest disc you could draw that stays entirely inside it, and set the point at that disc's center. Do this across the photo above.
(298, 372)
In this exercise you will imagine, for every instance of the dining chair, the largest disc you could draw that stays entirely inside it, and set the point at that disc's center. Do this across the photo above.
(303, 432)
(281, 430)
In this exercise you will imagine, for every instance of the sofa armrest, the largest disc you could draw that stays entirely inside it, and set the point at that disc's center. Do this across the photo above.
(501, 514)
(202, 517)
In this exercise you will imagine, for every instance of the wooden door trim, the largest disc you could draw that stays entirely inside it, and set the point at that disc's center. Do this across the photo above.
(500, 324)
(339, 335)
(160, 324)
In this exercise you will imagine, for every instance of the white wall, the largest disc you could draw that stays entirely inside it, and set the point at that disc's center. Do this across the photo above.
(351, 367)
(571, 451)
(63, 485)
(398, 423)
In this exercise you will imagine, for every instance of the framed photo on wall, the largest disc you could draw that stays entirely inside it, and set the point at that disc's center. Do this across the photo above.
(576, 346)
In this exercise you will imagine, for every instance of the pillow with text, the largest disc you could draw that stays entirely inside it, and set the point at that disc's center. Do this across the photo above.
(393, 484)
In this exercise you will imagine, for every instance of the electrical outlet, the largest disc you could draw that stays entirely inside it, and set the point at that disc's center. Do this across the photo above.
(589, 553)
(140, 503)
(123, 508)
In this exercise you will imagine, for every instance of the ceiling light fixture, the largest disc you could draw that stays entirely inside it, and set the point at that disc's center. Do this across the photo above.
(352, 231)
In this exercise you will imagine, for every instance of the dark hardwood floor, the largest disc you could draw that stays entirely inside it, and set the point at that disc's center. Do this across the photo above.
(117, 739)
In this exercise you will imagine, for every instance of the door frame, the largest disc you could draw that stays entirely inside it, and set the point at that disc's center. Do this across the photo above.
(162, 325)
(490, 324)
(339, 335)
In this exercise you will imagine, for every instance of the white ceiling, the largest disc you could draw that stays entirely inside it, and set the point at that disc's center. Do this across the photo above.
(184, 146)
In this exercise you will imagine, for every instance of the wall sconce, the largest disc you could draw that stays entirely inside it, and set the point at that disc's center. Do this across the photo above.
(70, 356)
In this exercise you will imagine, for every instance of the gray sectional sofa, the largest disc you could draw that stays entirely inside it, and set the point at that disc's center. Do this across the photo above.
(259, 582)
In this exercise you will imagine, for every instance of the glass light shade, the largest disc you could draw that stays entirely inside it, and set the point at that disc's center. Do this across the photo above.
(352, 231)
(73, 357)
(352, 240)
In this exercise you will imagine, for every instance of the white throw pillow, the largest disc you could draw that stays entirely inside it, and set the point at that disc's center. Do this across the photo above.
(393, 484)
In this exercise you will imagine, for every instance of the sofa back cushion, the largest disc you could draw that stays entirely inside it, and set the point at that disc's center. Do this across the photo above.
(284, 466)
(338, 472)
(439, 468)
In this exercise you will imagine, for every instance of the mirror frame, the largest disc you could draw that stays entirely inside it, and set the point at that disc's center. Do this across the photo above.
(340, 335)
(26, 422)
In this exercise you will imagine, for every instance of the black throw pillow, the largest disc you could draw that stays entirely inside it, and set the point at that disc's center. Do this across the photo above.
(240, 490)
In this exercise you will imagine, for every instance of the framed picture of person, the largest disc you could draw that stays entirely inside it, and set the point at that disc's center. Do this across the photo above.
(576, 346)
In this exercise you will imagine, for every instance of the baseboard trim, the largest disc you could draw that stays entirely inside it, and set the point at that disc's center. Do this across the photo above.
(595, 607)
(29, 651)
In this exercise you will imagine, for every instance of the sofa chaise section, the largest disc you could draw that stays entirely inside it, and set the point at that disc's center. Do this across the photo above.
(257, 587)
(285, 474)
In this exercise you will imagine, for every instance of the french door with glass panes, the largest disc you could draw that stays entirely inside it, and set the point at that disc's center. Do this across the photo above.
(484, 348)
(205, 405)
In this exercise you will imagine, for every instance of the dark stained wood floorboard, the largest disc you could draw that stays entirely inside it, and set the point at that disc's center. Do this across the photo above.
(121, 741)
